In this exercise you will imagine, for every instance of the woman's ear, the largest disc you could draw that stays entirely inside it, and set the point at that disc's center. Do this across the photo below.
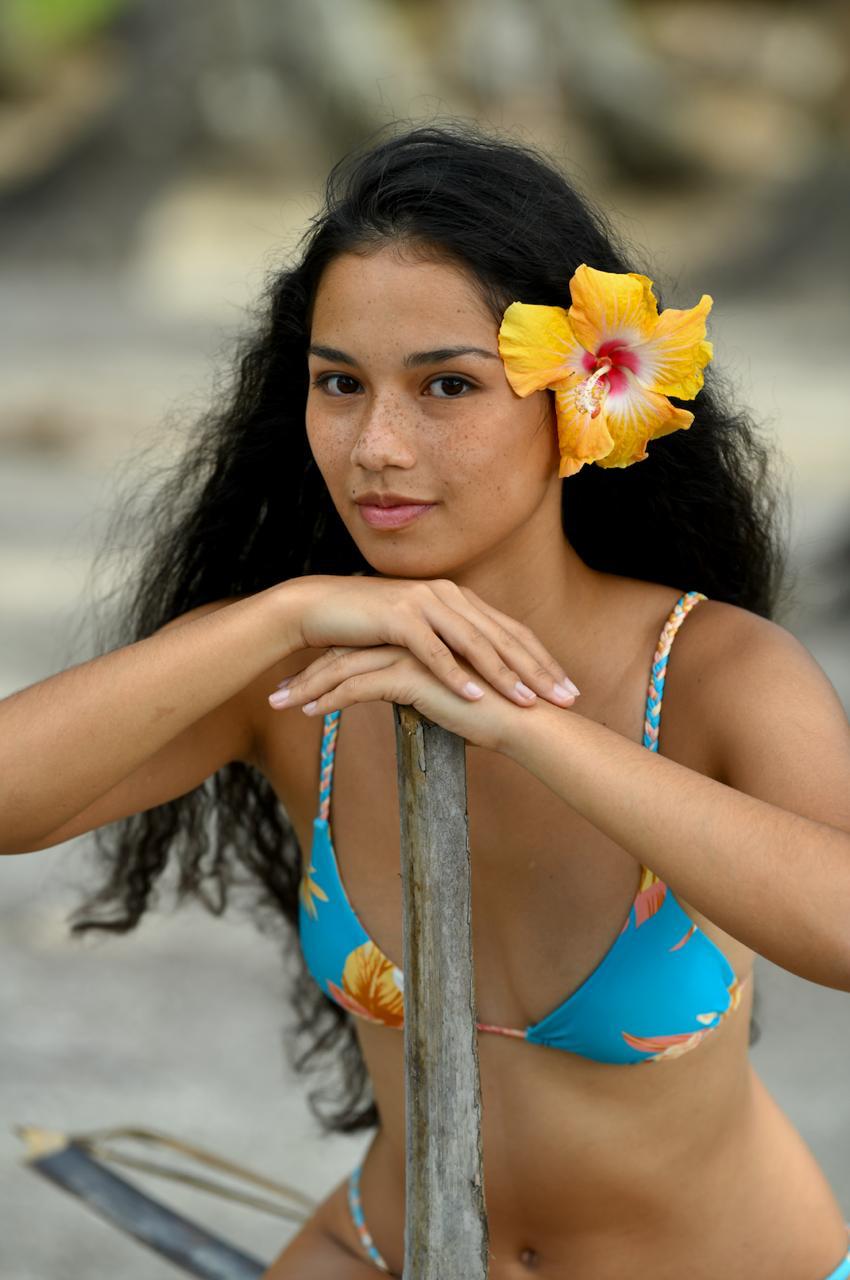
(549, 420)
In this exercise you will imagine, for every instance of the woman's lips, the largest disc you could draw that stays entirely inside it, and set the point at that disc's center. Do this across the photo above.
(393, 517)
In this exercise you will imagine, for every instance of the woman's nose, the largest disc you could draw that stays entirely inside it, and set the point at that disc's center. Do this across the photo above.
(384, 438)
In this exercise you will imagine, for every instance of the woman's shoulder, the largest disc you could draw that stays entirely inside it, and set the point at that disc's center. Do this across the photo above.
(778, 728)
(709, 654)
(720, 637)
(713, 627)
(750, 692)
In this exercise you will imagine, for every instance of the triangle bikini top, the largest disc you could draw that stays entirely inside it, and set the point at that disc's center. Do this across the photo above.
(658, 991)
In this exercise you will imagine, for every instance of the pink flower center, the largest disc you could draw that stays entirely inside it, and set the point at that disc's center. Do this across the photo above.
(605, 367)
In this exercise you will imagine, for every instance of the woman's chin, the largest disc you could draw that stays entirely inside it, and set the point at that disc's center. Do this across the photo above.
(408, 563)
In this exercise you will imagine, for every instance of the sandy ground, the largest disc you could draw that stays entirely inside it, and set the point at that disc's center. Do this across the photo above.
(179, 1026)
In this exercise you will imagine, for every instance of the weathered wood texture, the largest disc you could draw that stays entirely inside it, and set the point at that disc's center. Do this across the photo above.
(445, 1218)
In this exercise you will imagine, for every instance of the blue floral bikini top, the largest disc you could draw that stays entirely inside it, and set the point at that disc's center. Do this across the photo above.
(659, 990)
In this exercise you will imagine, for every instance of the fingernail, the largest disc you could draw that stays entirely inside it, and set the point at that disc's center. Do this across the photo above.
(473, 690)
(566, 690)
(279, 698)
(310, 707)
(285, 682)
(524, 690)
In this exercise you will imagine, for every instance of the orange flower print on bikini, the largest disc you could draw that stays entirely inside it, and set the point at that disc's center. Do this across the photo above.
(673, 1046)
(666, 1046)
(649, 898)
(372, 986)
(686, 937)
(309, 890)
(611, 361)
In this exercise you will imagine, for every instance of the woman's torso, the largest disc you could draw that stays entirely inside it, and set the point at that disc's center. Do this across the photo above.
(590, 1167)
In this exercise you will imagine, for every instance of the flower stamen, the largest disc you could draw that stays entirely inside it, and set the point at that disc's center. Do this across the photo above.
(591, 393)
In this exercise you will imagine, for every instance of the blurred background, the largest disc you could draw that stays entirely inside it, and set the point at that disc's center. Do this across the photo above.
(157, 160)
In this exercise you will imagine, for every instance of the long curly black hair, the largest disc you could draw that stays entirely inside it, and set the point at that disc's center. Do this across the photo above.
(245, 507)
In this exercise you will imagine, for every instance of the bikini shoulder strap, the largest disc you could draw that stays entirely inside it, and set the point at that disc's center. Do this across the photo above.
(326, 769)
(658, 670)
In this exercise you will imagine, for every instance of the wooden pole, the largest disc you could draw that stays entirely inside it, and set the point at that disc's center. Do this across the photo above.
(445, 1218)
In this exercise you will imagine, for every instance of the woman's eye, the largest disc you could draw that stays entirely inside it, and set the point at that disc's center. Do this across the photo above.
(454, 386)
(325, 380)
(456, 381)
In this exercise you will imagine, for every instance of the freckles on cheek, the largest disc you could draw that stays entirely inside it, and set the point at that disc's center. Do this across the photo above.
(472, 446)
(486, 451)
(328, 454)
(478, 480)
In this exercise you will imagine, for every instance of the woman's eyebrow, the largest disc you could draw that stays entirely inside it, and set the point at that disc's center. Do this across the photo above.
(411, 361)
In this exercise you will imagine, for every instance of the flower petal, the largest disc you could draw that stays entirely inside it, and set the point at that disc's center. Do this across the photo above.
(608, 306)
(537, 346)
(581, 438)
(672, 360)
(634, 416)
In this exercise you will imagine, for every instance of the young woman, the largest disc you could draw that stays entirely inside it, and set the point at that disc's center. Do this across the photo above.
(568, 528)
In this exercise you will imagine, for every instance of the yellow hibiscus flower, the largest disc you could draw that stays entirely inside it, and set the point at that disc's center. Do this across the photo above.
(611, 361)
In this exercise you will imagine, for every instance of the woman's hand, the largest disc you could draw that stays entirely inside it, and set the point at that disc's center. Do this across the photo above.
(390, 673)
(434, 620)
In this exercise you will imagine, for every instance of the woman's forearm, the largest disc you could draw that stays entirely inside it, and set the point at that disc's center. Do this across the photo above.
(69, 738)
(776, 881)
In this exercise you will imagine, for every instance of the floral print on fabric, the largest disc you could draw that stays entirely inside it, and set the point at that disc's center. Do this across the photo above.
(673, 1046)
(687, 937)
(648, 899)
(650, 896)
(372, 986)
(308, 890)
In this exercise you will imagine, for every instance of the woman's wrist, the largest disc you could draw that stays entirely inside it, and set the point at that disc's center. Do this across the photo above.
(529, 730)
(286, 607)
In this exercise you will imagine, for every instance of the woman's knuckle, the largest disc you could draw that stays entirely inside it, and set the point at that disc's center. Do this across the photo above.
(478, 636)
(422, 593)
(506, 637)
(437, 650)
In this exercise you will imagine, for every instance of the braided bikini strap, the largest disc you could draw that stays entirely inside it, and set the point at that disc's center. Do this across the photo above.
(658, 670)
(356, 1208)
(331, 723)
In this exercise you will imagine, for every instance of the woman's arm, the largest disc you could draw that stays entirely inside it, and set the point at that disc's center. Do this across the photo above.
(764, 853)
(131, 714)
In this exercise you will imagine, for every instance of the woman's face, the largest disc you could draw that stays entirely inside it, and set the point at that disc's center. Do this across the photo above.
(389, 410)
